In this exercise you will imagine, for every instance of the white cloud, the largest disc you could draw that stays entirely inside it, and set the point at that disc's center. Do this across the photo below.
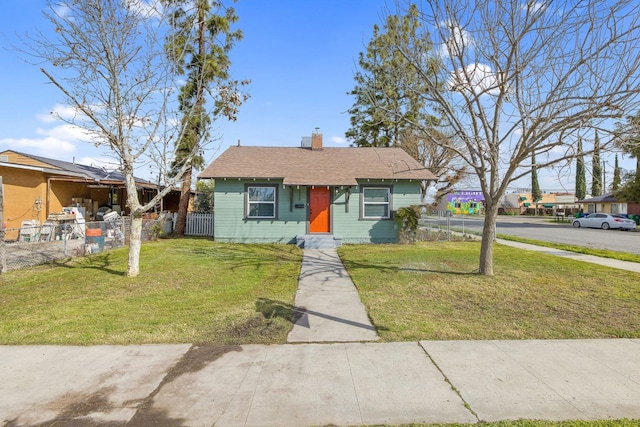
(147, 8)
(337, 140)
(65, 132)
(98, 162)
(48, 146)
(478, 78)
(61, 10)
(55, 142)
(457, 42)
(534, 6)
(58, 112)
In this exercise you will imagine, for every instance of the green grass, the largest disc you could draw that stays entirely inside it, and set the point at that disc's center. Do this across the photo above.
(430, 291)
(535, 423)
(199, 291)
(622, 256)
(188, 291)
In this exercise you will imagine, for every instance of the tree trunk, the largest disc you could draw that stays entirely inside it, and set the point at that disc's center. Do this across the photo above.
(135, 243)
(183, 207)
(488, 236)
(3, 252)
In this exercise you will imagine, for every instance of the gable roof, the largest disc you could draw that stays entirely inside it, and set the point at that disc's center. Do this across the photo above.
(328, 166)
(75, 170)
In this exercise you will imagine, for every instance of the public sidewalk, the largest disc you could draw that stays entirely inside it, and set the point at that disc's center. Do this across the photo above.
(609, 262)
(319, 384)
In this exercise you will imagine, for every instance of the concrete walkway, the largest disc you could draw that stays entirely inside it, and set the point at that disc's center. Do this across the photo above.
(609, 262)
(328, 303)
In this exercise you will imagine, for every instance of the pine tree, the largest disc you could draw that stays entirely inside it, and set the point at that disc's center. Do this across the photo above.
(389, 108)
(581, 181)
(199, 47)
(596, 177)
(388, 92)
(536, 194)
(617, 179)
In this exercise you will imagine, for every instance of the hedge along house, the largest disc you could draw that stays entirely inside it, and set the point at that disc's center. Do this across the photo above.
(312, 196)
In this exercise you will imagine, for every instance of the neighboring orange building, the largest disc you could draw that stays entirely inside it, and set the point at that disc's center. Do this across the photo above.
(35, 187)
(551, 203)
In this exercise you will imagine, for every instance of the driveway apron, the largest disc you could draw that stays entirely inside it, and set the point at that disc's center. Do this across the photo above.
(327, 302)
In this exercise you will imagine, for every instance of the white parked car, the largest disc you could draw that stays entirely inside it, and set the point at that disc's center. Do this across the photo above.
(604, 221)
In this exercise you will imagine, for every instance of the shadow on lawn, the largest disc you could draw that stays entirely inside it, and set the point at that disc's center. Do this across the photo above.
(271, 309)
(233, 255)
(242, 255)
(354, 265)
(103, 262)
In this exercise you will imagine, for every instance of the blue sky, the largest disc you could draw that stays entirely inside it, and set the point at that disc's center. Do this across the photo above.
(299, 55)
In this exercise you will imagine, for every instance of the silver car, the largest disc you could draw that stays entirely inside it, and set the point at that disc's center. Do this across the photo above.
(604, 221)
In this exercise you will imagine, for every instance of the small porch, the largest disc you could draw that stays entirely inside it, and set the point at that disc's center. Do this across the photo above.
(318, 241)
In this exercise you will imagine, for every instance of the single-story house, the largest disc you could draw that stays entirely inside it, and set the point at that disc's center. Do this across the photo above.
(551, 203)
(608, 203)
(35, 187)
(310, 193)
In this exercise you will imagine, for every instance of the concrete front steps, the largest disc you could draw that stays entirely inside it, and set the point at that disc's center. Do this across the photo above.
(318, 241)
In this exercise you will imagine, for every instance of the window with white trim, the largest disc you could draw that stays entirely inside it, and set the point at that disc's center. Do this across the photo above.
(376, 202)
(261, 201)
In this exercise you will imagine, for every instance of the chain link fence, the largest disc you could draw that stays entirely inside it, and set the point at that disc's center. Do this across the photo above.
(49, 242)
(437, 226)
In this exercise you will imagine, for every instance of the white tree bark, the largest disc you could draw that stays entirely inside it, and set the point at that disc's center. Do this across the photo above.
(135, 245)
(108, 59)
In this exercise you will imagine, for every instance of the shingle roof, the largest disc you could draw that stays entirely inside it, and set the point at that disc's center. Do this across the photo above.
(605, 198)
(85, 171)
(329, 166)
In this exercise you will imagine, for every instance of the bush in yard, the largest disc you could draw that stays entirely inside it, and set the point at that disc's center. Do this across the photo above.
(407, 220)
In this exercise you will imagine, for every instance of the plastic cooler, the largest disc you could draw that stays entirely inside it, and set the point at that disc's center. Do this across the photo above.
(95, 240)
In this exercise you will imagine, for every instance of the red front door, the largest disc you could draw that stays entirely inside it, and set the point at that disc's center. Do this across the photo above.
(319, 202)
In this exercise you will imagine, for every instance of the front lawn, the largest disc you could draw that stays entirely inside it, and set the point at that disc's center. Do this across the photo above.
(200, 291)
(188, 291)
(429, 291)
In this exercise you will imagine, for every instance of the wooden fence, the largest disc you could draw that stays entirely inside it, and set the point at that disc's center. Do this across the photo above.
(198, 224)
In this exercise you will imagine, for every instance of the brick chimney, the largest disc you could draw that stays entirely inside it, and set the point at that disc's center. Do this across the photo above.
(316, 140)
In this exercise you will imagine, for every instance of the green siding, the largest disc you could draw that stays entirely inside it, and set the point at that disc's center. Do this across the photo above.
(352, 229)
(230, 224)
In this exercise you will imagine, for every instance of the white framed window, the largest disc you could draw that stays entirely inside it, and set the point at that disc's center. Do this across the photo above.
(261, 201)
(376, 202)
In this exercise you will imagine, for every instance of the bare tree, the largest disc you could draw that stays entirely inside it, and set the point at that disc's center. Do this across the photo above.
(437, 157)
(108, 59)
(524, 77)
